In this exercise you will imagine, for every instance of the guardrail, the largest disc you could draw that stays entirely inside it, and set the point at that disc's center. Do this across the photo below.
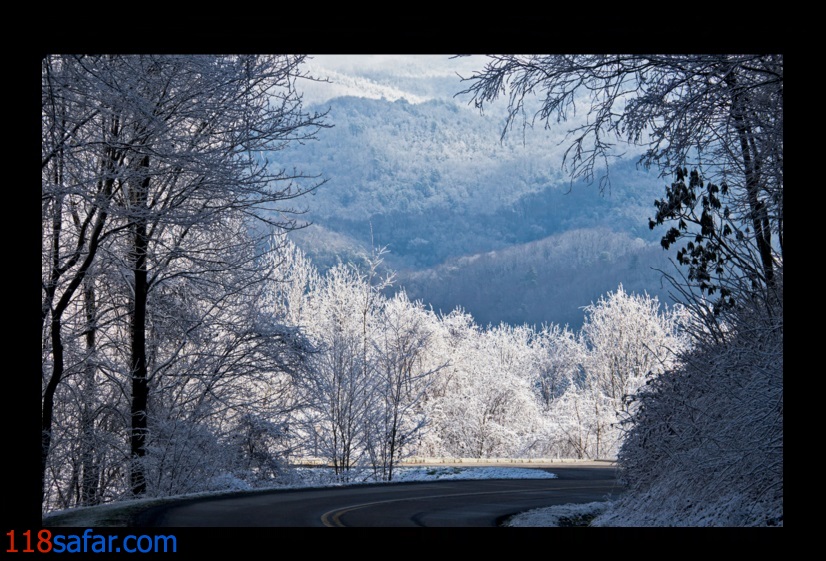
(427, 461)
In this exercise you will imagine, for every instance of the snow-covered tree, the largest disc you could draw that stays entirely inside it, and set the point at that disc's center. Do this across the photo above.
(626, 340)
(559, 361)
(484, 403)
(715, 120)
(78, 155)
(403, 375)
(704, 444)
(154, 161)
(337, 390)
(629, 338)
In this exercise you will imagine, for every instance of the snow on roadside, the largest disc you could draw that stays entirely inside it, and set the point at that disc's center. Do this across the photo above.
(553, 516)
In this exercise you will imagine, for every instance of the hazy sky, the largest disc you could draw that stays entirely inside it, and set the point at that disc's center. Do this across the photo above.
(411, 65)
(388, 76)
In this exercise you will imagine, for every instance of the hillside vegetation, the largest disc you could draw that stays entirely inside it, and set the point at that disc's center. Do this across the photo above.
(457, 208)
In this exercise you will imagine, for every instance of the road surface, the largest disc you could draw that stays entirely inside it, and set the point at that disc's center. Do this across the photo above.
(460, 503)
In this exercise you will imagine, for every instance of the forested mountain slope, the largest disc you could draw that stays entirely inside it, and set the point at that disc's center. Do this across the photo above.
(548, 280)
(434, 184)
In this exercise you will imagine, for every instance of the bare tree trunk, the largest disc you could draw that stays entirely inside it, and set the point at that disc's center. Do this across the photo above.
(48, 401)
(758, 211)
(140, 385)
(90, 470)
(47, 411)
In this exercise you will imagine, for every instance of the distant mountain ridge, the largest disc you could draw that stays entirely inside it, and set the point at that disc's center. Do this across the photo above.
(544, 281)
(433, 182)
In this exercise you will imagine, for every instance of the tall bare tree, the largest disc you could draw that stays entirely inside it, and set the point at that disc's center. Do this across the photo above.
(143, 156)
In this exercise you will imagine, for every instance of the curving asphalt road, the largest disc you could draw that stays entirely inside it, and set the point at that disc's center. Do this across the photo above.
(462, 503)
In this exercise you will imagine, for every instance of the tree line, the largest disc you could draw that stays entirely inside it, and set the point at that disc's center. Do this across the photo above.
(389, 378)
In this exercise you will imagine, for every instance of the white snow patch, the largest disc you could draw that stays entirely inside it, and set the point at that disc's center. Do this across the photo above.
(550, 516)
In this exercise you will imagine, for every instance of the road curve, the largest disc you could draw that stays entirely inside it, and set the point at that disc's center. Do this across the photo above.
(459, 503)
